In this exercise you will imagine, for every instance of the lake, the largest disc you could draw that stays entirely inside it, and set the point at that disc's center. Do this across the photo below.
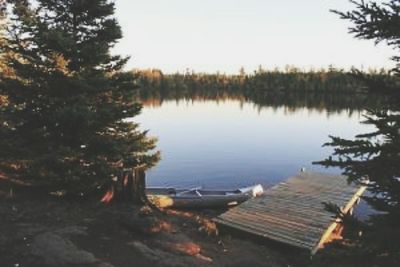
(231, 143)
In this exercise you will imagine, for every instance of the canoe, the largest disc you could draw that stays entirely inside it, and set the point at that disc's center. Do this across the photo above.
(198, 198)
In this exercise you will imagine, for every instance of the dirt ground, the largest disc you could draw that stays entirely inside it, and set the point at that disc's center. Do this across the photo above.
(48, 231)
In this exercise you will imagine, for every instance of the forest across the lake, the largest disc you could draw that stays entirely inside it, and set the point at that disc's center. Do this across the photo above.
(324, 89)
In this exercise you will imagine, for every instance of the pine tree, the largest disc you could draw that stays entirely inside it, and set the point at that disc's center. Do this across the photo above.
(376, 155)
(64, 125)
(2, 37)
(5, 71)
(375, 21)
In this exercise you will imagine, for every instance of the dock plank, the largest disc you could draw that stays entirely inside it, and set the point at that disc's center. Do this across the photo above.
(293, 212)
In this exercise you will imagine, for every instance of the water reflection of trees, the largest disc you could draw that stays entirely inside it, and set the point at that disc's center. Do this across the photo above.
(330, 92)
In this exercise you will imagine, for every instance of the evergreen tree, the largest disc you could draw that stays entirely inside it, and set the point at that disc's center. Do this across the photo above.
(375, 21)
(376, 155)
(2, 36)
(64, 124)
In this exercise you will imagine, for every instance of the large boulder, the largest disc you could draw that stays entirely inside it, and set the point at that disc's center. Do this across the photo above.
(56, 250)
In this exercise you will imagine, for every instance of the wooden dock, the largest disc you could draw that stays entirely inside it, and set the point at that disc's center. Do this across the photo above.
(293, 212)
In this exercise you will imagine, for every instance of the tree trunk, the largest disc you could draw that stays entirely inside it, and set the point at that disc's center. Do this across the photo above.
(134, 185)
(139, 186)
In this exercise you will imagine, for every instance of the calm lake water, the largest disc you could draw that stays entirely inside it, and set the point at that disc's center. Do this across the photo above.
(231, 143)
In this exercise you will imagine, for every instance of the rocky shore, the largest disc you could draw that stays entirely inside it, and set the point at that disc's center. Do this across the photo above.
(48, 231)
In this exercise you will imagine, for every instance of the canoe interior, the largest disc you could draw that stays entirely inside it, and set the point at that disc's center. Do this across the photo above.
(196, 198)
(190, 192)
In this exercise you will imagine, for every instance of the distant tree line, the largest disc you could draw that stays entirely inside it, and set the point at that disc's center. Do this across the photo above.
(290, 79)
(331, 89)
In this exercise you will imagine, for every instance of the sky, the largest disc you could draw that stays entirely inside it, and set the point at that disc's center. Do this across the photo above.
(225, 35)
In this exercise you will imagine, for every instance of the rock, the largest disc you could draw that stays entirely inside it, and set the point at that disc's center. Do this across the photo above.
(163, 258)
(29, 230)
(149, 253)
(138, 224)
(180, 244)
(72, 230)
(208, 227)
(3, 240)
(55, 250)
(161, 201)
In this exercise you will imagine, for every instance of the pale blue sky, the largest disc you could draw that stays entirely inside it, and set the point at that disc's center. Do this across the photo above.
(223, 35)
